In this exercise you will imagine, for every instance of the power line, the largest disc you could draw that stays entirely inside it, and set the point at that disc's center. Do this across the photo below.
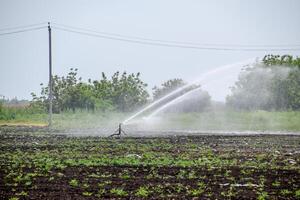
(122, 36)
(172, 45)
(22, 27)
(21, 31)
(171, 41)
(153, 42)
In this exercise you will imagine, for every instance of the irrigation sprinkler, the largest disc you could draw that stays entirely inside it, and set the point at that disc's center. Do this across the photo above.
(119, 131)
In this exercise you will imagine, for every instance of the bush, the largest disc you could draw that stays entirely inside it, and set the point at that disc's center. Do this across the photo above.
(124, 92)
(13, 113)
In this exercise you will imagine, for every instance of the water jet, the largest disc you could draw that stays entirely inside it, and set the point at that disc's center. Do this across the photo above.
(203, 78)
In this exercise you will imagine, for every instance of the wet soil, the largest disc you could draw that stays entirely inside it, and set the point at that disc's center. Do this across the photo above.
(281, 180)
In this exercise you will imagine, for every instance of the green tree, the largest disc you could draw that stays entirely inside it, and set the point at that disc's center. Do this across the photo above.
(273, 84)
(167, 87)
(195, 101)
(123, 92)
(128, 92)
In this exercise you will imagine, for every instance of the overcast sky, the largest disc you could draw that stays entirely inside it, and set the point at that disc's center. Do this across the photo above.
(24, 56)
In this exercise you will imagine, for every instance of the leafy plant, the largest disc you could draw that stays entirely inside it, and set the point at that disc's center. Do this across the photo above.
(285, 192)
(118, 192)
(297, 194)
(88, 194)
(124, 92)
(262, 196)
(196, 192)
(142, 192)
(276, 184)
(74, 183)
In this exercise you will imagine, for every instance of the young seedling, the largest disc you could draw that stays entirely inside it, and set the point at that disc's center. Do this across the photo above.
(119, 192)
(74, 183)
(142, 192)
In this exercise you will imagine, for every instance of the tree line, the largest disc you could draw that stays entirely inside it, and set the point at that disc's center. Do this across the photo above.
(123, 92)
(273, 84)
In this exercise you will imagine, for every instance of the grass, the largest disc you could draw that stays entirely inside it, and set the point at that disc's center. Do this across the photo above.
(64, 120)
(23, 123)
(223, 120)
(235, 120)
(21, 113)
(83, 119)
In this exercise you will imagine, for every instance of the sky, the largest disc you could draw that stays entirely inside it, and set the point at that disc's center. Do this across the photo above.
(24, 56)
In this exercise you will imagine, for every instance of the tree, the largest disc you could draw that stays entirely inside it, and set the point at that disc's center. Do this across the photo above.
(273, 84)
(194, 99)
(128, 91)
(167, 87)
(123, 92)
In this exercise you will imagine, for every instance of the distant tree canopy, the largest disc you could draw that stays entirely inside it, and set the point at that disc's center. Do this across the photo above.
(192, 98)
(273, 84)
(14, 102)
(167, 87)
(123, 92)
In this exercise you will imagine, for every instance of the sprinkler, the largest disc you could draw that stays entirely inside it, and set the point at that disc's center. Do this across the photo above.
(118, 132)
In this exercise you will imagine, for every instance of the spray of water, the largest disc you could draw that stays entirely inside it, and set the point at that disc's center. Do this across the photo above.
(172, 102)
(204, 77)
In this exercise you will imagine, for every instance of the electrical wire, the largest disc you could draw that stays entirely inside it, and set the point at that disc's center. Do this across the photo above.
(170, 41)
(22, 27)
(153, 42)
(21, 31)
(172, 45)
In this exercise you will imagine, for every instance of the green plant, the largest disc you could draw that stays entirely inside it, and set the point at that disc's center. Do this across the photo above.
(262, 196)
(195, 192)
(118, 192)
(142, 192)
(124, 92)
(14, 198)
(285, 192)
(87, 194)
(85, 185)
(229, 193)
(125, 176)
(297, 194)
(100, 192)
(178, 187)
(74, 183)
(276, 184)
(192, 174)
(23, 193)
(201, 185)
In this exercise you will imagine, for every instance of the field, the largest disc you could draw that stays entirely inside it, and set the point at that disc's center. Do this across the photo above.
(37, 164)
(225, 120)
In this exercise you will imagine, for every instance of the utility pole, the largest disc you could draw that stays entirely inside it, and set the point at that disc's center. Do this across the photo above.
(50, 77)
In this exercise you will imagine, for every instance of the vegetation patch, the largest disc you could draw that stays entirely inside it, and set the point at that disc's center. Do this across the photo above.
(206, 166)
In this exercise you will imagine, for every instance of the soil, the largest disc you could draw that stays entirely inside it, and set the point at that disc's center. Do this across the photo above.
(162, 182)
